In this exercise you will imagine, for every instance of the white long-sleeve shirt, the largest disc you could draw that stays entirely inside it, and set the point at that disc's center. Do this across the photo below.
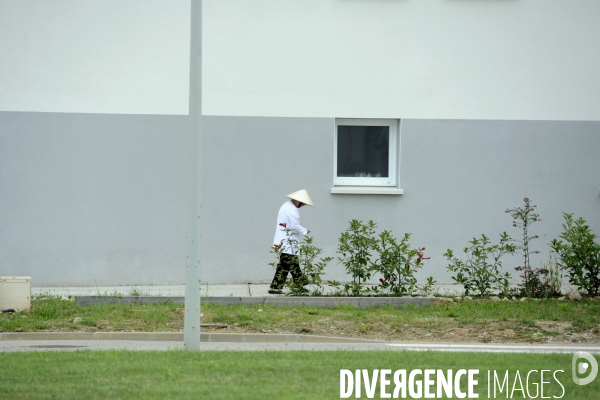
(288, 215)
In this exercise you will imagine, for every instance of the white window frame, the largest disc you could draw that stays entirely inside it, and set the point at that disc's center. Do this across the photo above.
(362, 184)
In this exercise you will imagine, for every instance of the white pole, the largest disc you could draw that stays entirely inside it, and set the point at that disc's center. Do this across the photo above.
(191, 323)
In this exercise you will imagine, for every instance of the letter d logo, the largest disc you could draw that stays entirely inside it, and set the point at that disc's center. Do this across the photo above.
(583, 367)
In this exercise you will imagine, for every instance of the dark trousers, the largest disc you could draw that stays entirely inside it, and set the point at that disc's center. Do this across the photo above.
(287, 263)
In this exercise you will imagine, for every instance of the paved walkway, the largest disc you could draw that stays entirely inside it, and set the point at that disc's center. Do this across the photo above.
(72, 345)
(246, 290)
(242, 289)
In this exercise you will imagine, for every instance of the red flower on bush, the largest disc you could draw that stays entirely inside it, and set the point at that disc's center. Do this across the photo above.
(382, 280)
(421, 257)
(278, 246)
(283, 224)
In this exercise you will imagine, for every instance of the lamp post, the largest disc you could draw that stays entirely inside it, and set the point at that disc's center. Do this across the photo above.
(191, 322)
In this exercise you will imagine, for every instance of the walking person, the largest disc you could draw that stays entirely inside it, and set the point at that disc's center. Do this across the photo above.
(288, 219)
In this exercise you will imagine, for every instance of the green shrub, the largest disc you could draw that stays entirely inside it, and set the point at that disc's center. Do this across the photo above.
(480, 272)
(579, 254)
(398, 263)
(355, 246)
(312, 269)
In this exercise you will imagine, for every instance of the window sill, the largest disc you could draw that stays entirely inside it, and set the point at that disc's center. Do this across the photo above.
(366, 190)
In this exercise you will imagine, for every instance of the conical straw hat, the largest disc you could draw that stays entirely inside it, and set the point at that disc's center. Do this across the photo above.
(302, 196)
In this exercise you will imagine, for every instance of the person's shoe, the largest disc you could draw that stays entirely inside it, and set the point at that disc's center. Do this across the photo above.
(275, 291)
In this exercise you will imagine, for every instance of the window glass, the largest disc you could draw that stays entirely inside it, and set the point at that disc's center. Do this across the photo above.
(363, 151)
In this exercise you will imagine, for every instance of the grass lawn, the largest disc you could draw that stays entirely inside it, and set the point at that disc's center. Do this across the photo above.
(255, 375)
(546, 321)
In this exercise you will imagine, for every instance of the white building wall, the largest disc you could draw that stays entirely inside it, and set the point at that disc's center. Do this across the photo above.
(95, 56)
(493, 59)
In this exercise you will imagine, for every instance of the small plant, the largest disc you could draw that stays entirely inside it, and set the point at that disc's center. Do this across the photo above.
(540, 282)
(398, 263)
(553, 279)
(311, 269)
(480, 272)
(550, 280)
(427, 288)
(535, 281)
(135, 292)
(523, 218)
(355, 246)
(579, 254)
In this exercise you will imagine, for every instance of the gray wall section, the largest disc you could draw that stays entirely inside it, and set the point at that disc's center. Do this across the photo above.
(92, 198)
(460, 176)
(101, 199)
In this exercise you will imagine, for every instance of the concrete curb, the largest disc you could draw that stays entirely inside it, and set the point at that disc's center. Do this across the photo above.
(498, 347)
(329, 302)
(178, 337)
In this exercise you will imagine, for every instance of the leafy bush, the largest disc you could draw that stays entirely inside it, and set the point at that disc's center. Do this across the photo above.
(355, 246)
(312, 270)
(398, 263)
(579, 254)
(480, 272)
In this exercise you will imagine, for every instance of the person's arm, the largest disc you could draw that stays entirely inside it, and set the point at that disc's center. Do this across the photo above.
(295, 226)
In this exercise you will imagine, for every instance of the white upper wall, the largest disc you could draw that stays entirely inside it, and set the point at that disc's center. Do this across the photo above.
(480, 59)
(94, 56)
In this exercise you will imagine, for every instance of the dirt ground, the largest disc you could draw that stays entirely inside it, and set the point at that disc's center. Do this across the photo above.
(429, 330)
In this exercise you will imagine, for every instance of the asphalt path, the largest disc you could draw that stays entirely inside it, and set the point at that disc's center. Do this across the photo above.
(136, 345)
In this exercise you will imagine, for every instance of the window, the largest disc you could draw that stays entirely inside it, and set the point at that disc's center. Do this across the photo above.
(365, 154)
